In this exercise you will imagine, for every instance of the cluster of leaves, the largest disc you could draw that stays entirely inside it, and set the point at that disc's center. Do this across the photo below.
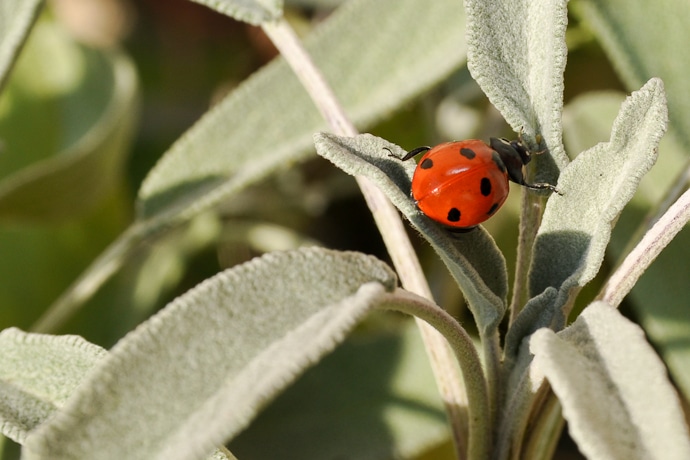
(196, 374)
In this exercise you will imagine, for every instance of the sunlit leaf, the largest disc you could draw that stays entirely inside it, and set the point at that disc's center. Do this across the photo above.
(517, 54)
(576, 226)
(198, 372)
(614, 389)
(37, 375)
(251, 11)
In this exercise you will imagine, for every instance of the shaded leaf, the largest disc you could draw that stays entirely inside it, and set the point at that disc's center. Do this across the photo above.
(472, 258)
(37, 374)
(576, 227)
(67, 121)
(235, 144)
(614, 390)
(16, 18)
(517, 54)
(251, 11)
(644, 40)
(196, 374)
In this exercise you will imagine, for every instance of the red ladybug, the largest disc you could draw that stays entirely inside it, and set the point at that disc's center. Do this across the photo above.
(462, 184)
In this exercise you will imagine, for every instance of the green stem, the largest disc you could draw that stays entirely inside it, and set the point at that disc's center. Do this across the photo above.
(479, 414)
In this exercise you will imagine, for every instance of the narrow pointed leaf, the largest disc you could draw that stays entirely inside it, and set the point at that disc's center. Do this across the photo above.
(613, 387)
(576, 226)
(197, 373)
(242, 140)
(37, 374)
(472, 258)
(251, 11)
(517, 54)
(16, 18)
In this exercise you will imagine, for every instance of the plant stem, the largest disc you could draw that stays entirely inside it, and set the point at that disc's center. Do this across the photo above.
(649, 247)
(89, 281)
(387, 219)
(479, 426)
(532, 208)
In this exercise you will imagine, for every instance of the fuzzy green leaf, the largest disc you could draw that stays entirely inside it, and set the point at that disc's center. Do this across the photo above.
(37, 374)
(659, 309)
(374, 397)
(251, 11)
(196, 374)
(83, 103)
(643, 40)
(16, 18)
(576, 226)
(472, 258)
(614, 390)
(242, 140)
(517, 54)
(267, 123)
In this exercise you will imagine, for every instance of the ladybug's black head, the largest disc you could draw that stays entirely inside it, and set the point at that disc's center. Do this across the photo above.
(514, 156)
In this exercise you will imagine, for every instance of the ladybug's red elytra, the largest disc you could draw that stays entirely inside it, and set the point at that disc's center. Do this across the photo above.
(461, 184)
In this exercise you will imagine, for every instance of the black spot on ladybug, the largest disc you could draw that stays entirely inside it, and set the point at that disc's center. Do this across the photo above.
(426, 164)
(492, 209)
(454, 215)
(485, 186)
(468, 153)
(497, 160)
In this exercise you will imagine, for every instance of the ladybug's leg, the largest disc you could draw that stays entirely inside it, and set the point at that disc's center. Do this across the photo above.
(415, 152)
(542, 186)
(409, 154)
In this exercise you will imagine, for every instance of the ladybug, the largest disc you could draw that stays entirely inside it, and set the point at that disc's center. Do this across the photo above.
(461, 184)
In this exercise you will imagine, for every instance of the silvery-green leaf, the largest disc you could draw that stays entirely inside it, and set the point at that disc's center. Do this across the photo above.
(67, 119)
(576, 226)
(372, 397)
(268, 121)
(659, 309)
(614, 389)
(517, 54)
(197, 373)
(16, 17)
(472, 258)
(37, 374)
(251, 11)
(644, 40)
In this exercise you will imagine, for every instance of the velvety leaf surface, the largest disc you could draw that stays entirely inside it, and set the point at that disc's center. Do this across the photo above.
(196, 374)
(576, 226)
(268, 121)
(660, 310)
(37, 374)
(614, 389)
(517, 54)
(373, 398)
(251, 11)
